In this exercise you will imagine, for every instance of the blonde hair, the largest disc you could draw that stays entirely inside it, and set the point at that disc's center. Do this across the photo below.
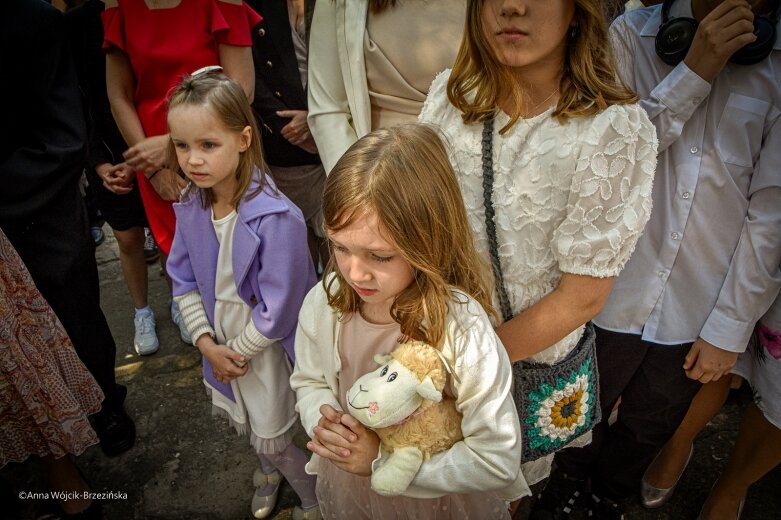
(403, 176)
(228, 102)
(588, 83)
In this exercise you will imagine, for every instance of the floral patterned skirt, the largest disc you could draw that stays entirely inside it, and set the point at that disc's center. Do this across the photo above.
(760, 366)
(46, 392)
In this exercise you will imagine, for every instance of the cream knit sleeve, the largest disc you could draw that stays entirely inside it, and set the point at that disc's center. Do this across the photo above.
(194, 315)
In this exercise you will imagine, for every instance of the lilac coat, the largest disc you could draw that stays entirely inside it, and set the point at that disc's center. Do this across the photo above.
(271, 262)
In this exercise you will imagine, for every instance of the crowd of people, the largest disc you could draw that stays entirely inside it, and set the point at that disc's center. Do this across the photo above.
(580, 213)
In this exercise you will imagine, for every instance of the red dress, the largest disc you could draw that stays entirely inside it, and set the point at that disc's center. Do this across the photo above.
(164, 45)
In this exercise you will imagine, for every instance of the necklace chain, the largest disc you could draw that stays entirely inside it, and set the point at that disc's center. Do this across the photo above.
(535, 107)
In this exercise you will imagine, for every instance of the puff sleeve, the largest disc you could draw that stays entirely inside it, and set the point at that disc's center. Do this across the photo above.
(232, 22)
(610, 198)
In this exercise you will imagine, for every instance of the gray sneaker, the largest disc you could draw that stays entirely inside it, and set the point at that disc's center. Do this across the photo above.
(145, 339)
(176, 317)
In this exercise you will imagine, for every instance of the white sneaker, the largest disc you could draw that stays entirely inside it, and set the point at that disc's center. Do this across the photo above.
(145, 339)
(176, 317)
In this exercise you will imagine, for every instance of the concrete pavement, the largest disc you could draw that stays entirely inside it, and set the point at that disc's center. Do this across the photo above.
(187, 464)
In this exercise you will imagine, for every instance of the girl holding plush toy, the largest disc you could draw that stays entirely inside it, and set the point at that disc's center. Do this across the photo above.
(240, 269)
(404, 270)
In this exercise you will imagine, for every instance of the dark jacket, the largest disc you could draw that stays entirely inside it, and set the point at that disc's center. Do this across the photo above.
(277, 83)
(85, 30)
(42, 136)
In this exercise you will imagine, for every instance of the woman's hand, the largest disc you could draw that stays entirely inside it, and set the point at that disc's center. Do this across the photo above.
(226, 363)
(116, 178)
(297, 130)
(149, 154)
(342, 439)
(167, 184)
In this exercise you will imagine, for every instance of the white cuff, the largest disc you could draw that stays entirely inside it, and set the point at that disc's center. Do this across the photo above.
(726, 333)
(194, 315)
(250, 341)
(682, 91)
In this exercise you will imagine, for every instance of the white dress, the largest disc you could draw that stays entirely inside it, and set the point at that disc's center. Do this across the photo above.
(569, 198)
(265, 403)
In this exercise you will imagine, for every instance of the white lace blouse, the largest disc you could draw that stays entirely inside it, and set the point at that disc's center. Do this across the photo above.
(570, 198)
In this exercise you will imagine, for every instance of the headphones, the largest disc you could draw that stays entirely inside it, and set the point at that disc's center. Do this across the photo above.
(675, 37)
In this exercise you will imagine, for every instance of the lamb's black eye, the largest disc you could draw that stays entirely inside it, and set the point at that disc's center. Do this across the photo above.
(392, 377)
(384, 371)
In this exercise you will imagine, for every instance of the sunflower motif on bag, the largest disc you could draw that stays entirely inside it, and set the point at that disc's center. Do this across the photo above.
(557, 414)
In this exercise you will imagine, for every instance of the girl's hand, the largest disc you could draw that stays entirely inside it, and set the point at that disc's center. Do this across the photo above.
(331, 434)
(168, 184)
(362, 451)
(149, 154)
(297, 130)
(225, 362)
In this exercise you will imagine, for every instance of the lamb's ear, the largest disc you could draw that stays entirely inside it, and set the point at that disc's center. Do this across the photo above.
(427, 390)
(382, 359)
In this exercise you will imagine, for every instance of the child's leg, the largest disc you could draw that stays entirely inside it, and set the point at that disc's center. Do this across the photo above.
(131, 257)
(268, 468)
(756, 452)
(290, 462)
(666, 469)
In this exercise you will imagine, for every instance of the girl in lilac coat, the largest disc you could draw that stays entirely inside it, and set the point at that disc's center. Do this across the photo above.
(240, 269)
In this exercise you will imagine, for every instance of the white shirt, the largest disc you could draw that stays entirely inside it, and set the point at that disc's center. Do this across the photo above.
(708, 262)
(569, 198)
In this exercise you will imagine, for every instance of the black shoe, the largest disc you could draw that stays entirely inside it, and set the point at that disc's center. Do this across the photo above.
(558, 499)
(114, 427)
(603, 508)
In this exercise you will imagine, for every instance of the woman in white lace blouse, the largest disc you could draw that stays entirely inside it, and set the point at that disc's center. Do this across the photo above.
(571, 159)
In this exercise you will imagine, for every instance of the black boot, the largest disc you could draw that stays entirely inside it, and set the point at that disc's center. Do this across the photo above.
(114, 427)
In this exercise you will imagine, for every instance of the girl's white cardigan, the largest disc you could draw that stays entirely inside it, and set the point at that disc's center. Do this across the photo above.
(489, 457)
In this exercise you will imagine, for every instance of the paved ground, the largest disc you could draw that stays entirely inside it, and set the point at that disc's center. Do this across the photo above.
(188, 465)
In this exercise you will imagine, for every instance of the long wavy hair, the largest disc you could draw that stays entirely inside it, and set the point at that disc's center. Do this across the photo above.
(402, 175)
(228, 102)
(589, 82)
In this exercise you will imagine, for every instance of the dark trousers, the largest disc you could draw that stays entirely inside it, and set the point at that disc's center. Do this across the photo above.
(655, 396)
(56, 248)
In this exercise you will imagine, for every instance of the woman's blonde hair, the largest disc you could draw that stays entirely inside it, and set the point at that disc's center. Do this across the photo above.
(228, 102)
(403, 176)
(588, 84)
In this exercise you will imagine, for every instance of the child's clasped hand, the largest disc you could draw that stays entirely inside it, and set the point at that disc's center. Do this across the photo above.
(340, 438)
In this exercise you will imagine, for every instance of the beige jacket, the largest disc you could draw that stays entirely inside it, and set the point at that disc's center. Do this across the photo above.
(339, 106)
(489, 457)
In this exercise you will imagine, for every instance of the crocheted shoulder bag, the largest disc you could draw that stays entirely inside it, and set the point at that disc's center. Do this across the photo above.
(556, 403)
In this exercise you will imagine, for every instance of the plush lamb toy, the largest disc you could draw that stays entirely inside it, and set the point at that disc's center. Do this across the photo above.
(402, 401)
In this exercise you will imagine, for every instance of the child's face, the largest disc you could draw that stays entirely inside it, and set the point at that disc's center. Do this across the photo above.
(207, 152)
(372, 266)
(524, 33)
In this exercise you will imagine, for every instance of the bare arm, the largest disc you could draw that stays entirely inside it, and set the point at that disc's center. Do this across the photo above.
(120, 84)
(146, 154)
(575, 301)
(237, 62)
